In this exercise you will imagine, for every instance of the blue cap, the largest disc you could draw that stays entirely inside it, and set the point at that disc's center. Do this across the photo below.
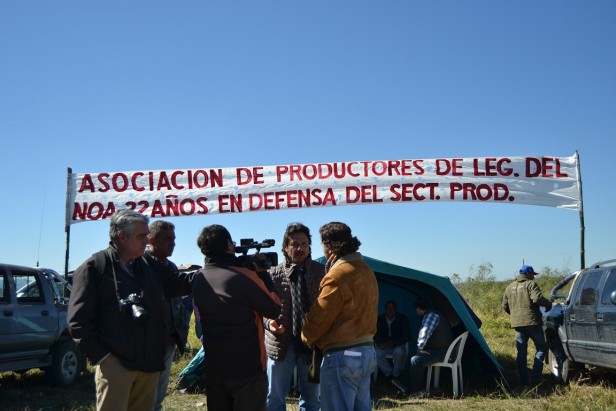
(527, 269)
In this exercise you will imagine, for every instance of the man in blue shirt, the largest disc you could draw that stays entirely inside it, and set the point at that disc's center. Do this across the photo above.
(432, 342)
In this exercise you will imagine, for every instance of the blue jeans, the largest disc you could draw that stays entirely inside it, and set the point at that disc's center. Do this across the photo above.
(279, 374)
(345, 379)
(399, 354)
(419, 362)
(522, 334)
(163, 380)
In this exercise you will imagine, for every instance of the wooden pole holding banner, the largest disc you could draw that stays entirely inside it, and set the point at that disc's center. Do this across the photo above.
(579, 178)
(67, 224)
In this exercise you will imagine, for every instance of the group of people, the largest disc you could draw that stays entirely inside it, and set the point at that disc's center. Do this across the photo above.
(259, 326)
(394, 336)
(522, 301)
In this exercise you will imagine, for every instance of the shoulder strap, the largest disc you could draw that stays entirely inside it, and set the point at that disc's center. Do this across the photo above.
(101, 261)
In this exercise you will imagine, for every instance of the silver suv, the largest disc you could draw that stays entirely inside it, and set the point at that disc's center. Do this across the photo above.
(581, 329)
(33, 325)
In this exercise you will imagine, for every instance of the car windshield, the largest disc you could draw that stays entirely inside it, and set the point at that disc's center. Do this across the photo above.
(562, 290)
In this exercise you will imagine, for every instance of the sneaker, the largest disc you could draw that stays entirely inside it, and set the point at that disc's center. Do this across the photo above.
(399, 385)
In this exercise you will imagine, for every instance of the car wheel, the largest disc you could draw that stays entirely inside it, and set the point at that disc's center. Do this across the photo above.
(67, 364)
(565, 372)
(553, 365)
(570, 370)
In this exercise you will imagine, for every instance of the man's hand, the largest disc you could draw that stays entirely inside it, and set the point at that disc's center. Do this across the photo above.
(275, 328)
(260, 263)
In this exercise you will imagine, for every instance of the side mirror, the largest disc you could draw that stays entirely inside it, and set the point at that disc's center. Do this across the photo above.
(613, 297)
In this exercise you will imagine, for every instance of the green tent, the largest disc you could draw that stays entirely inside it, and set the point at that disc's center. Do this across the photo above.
(403, 285)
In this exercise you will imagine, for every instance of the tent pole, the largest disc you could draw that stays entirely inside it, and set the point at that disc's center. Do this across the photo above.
(579, 176)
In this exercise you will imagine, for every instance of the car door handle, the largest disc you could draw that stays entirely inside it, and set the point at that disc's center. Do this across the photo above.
(8, 313)
(600, 317)
(45, 313)
(572, 317)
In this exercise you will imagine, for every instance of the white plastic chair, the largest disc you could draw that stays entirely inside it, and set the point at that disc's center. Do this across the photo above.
(453, 361)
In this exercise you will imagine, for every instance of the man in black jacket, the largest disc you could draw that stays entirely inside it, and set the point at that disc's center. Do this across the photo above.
(393, 333)
(232, 302)
(116, 315)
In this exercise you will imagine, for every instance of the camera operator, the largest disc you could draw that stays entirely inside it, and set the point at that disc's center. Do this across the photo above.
(232, 300)
(116, 315)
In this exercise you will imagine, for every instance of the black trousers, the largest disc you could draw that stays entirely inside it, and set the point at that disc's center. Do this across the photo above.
(236, 394)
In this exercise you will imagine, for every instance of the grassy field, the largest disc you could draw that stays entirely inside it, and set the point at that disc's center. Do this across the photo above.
(593, 390)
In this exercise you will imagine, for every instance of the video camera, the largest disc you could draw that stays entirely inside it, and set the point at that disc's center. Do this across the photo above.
(263, 260)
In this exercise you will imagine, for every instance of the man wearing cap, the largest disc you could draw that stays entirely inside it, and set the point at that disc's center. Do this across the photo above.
(521, 301)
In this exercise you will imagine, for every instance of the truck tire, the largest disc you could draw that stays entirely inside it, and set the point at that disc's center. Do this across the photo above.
(66, 364)
(568, 370)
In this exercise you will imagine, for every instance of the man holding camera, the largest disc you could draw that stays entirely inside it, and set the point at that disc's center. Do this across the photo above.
(232, 301)
(117, 318)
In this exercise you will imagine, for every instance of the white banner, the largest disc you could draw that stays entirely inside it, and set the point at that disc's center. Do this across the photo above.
(545, 181)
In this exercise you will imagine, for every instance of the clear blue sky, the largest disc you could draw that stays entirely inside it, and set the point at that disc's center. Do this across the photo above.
(132, 85)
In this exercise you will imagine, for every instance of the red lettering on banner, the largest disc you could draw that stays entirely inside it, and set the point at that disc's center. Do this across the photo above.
(119, 182)
(134, 181)
(156, 181)
(481, 192)
(201, 178)
(311, 172)
(410, 191)
(86, 184)
(492, 167)
(255, 201)
(229, 203)
(94, 211)
(246, 176)
(536, 167)
(163, 182)
(174, 180)
(324, 171)
(139, 207)
(102, 179)
(291, 199)
(202, 208)
(446, 167)
(419, 166)
(280, 171)
(273, 201)
(173, 207)
(350, 169)
(364, 194)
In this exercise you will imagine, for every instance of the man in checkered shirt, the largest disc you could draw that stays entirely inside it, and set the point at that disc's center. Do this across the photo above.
(432, 342)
